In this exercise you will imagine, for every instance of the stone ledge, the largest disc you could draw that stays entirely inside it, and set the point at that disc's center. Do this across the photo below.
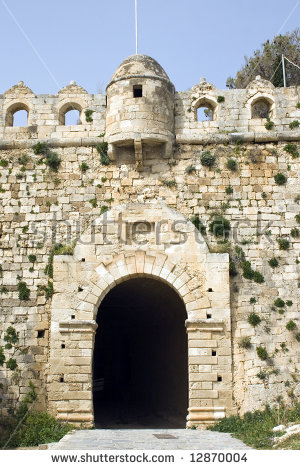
(77, 326)
(204, 325)
(185, 138)
(245, 137)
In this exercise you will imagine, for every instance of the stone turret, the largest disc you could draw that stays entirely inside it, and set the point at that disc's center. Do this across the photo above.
(140, 110)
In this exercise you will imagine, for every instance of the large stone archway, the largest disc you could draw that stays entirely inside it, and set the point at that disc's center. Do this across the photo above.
(131, 241)
(140, 365)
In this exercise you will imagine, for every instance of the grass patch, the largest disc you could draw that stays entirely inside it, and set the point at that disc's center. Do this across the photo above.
(255, 428)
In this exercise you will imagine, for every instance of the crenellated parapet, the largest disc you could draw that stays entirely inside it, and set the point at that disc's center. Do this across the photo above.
(241, 111)
(142, 111)
(46, 113)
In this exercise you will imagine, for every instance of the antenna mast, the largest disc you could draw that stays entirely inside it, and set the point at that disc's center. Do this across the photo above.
(136, 27)
(283, 70)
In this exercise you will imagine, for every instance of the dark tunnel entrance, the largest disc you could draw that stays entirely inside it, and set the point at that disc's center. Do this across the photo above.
(140, 366)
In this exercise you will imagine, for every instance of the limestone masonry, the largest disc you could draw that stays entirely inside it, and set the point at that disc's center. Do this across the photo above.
(147, 187)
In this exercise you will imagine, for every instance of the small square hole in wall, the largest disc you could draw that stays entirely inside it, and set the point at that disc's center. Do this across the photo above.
(137, 91)
(219, 378)
(214, 353)
(209, 290)
(83, 260)
(208, 315)
(41, 333)
(61, 379)
(63, 346)
(72, 317)
(80, 289)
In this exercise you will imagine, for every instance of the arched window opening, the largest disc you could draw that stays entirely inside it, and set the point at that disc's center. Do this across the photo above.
(17, 116)
(70, 115)
(20, 118)
(261, 109)
(205, 111)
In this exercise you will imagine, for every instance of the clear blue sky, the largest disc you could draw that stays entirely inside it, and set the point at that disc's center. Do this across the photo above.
(86, 40)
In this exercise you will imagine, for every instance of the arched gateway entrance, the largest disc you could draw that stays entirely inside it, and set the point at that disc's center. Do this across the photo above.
(139, 292)
(140, 363)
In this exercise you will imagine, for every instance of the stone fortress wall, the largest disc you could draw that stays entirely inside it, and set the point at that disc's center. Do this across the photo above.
(155, 144)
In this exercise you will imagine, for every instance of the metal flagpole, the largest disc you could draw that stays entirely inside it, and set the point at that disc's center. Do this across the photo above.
(283, 71)
(136, 27)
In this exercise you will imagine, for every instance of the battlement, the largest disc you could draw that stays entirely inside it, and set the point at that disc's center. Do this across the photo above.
(230, 114)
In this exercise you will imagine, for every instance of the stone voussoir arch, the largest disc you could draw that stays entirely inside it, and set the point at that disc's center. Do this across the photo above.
(140, 264)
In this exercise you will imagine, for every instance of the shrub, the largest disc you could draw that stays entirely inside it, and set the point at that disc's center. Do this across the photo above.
(232, 269)
(273, 262)
(292, 149)
(280, 179)
(264, 195)
(262, 375)
(93, 202)
(11, 364)
(207, 159)
(198, 224)
(291, 325)
(60, 249)
(294, 124)
(283, 243)
(297, 337)
(262, 353)
(53, 161)
(24, 292)
(220, 99)
(269, 124)
(258, 277)
(297, 217)
(229, 190)
(231, 164)
(279, 303)
(254, 319)
(169, 183)
(298, 105)
(3, 163)
(245, 342)
(40, 428)
(220, 227)
(295, 233)
(289, 303)
(32, 258)
(102, 148)
(103, 209)
(248, 272)
(88, 115)
(84, 167)
(40, 148)
(47, 289)
(190, 169)
(103, 179)
(252, 300)
(23, 160)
